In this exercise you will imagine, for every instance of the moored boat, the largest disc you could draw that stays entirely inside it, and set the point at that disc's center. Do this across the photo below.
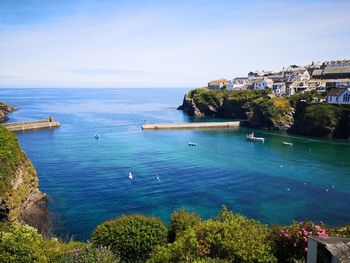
(252, 138)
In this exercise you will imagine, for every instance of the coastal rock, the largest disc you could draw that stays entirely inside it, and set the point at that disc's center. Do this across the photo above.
(5, 109)
(253, 108)
(20, 198)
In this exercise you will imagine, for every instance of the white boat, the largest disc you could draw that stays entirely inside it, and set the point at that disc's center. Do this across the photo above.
(130, 175)
(192, 144)
(252, 138)
(287, 143)
(97, 136)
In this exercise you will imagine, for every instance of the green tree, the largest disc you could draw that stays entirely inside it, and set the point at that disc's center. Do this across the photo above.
(230, 237)
(132, 237)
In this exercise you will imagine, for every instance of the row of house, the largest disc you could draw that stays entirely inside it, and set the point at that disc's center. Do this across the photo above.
(333, 76)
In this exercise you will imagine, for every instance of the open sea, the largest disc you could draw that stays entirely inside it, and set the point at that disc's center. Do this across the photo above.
(87, 181)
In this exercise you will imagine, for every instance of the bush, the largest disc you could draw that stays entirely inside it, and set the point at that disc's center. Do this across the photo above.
(291, 241)
(230, 237)
(341, 231)
(181, 221)
(22, 243)
(91, 255)
(132, 237)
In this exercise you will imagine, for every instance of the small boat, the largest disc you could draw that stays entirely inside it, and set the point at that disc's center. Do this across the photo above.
(97, 136)
(192, 144)
(130, 175)
(252, 138)
(158, 178)
(287, 143)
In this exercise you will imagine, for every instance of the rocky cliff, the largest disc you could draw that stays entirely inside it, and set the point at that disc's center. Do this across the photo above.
(20, 198)
(5, 109)
(259, 109)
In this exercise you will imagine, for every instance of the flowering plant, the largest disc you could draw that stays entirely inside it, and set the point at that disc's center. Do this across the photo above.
(291, 241)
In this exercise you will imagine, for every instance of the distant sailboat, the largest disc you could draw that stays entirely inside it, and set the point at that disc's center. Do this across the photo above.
(158, 178)
(130, 175)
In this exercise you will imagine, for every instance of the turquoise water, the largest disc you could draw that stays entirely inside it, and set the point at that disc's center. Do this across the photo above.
(87, 179)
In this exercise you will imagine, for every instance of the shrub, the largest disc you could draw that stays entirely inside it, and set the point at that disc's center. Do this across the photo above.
(291, 241)
(91, 255)
(341, 231)
(230, 237)
(181, 221)
(22, 243)
(132, 237)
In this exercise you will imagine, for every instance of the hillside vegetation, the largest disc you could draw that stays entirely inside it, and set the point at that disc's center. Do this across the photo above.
(227, 238)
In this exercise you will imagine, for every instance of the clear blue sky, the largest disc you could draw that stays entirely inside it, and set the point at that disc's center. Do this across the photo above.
(184, 43)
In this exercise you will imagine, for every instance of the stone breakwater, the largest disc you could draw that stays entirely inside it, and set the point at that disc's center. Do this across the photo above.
(32, 125)
(197, 125)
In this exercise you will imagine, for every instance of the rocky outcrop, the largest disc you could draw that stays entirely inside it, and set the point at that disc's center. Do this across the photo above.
(5, 109)
(198, 109)
(256, 110)
(20, 198)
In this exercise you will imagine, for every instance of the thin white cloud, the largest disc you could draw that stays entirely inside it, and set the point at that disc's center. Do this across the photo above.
(158, 45)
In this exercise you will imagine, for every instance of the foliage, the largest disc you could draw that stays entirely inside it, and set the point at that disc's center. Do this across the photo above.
(22, 243)
(341, 231)
(132, 236)
(91, 255)
(181, 221)
(317, 120)
(10, 156)
(291, 241)
(230, 237)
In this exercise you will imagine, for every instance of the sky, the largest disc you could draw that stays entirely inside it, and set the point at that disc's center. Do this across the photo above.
(183, 43)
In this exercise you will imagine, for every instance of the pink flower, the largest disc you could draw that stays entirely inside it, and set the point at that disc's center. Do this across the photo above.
(305, 239)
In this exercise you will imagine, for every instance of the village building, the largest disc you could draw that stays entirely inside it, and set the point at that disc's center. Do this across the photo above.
(279, 88)
(336, 72)
(317, 73)
(252, 74)
(217, 84)
(261, 84)
(230, 85)
(277, 77)
(339, 96)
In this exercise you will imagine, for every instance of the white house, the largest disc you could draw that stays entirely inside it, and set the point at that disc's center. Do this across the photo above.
(339, 96)
(230, 85)
(279, 88)
(263, 84)
(217, 84)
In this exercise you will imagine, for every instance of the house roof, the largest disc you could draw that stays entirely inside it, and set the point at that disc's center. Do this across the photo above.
(317, 72)
(337, 91)
(217, 82)
(268, 80)
(336, 70)
(337, 246)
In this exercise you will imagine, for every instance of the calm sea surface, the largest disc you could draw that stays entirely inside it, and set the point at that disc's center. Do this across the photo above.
(87, 179)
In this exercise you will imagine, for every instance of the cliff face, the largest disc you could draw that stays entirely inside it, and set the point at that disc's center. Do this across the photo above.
(5, 109)
(20, 198)
(256, 108)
